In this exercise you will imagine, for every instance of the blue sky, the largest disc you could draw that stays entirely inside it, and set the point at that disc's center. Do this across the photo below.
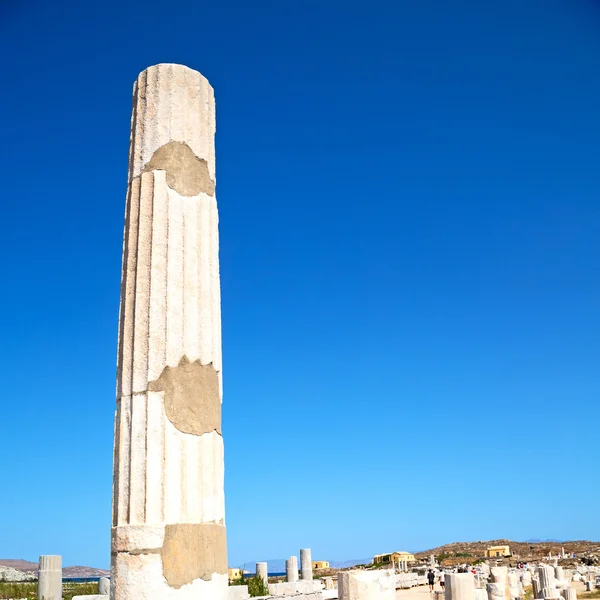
(408, 195)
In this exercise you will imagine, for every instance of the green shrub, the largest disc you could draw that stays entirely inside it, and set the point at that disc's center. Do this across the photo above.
(256, 586)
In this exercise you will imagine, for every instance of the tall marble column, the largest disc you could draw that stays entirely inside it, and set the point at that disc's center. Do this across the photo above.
(168, 536)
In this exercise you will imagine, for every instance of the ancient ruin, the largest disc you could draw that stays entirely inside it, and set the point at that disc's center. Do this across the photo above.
(168, 536)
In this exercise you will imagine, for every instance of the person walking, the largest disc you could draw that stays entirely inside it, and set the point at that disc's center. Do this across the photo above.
(431, 579)
(442, 580)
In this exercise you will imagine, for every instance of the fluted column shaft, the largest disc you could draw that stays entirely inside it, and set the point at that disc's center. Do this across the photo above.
(50, 577)
(168, 538)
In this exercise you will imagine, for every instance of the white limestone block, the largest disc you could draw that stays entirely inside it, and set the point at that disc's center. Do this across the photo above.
(366, 585)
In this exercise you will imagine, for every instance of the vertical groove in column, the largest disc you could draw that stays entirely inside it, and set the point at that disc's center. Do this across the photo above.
(172, 473)
(205, 308)
(191, 479)
(175, 281)
(142, 284)
(191, 330)
(155, 459)
(129, 276)
(122, 490)
(137, 475)
(157, 343)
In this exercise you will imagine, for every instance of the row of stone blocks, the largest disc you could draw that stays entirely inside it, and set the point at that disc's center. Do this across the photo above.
(288, 589)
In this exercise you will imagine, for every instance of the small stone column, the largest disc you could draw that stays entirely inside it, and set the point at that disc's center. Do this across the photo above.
(306, 564)
(559, 572)
(535, 584)
(50, 578)
(262, 570)
(569, 593)
(495, 591)
(460, 586)
(104, 586)
(546, 577)
(499, 576)
(589, 586)
(550, 592)
(291, 569)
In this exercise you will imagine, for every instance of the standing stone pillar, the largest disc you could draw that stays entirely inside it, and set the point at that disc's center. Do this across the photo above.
(104, 586)
(168, 536)
(559, 572)
(50, 577)
(535, 584)
(569, 593)
(499, 576)
(546, 576)
(291, 569)
(513, 584)
(459, 586)
(262, 571)
(306, 564)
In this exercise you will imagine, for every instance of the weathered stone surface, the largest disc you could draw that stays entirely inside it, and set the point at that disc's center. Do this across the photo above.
(499, 575)
(550, 592)
(496, 591)
(191, 397)
(168, 537)
(50, 577)
(366, 585)
(328, 583)
(545, 575)
(137, 573)
(291, 588)
(535, 584)
(193, 551)
(186, 173)
(569, 593)
(238, 592)
(104, 586)
(460, 586)
(513, 584)
(92, 597)
(306, 564)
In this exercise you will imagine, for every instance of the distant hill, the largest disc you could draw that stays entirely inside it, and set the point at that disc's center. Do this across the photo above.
(19, 564)
(31, 567)
(351, 563)
(529, 548)
(78, 571)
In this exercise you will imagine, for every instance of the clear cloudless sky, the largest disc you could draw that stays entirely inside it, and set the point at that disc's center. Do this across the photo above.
(409, 219)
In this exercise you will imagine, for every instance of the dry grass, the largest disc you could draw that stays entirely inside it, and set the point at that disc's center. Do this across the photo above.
(17, 589)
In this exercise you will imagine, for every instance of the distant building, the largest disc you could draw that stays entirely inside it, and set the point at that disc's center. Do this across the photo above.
(394, 557)
(496, 551)
(233, 574)
(320, 564)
